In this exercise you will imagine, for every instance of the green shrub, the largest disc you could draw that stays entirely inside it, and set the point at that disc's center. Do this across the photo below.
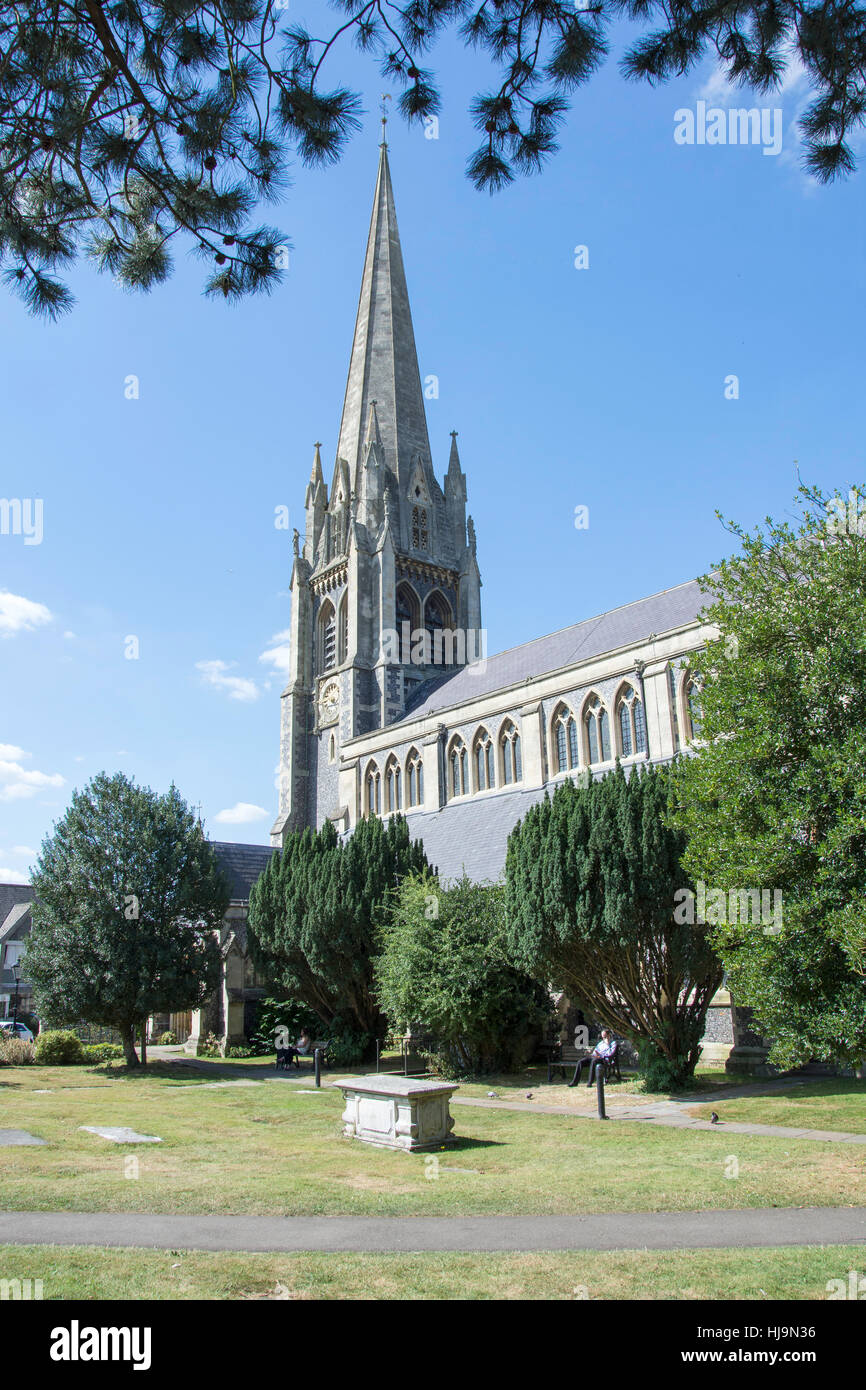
(15, 1051)
(168, 1038)
(59, 1048)
(348, 1045)
(290, 1014)
(102, 1052)
(209, 1046)
(238, 1050)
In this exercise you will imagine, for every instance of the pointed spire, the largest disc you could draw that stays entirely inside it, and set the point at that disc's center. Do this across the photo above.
(317, 476)
(454, 457)
(374, 435)
(384, 362)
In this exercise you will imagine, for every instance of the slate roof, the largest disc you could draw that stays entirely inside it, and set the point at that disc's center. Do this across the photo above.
(12, 896)
(242, 865)
(593, 637)
(472, 835)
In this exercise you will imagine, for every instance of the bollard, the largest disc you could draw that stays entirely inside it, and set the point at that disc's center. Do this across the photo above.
(317, 1062)
(599, 1090)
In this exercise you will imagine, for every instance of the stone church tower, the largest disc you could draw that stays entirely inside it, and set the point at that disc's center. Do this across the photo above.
(385, 588)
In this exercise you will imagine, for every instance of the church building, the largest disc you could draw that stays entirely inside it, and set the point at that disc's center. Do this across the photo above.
(393, 703)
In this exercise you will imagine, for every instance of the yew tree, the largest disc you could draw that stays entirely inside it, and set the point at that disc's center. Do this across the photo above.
(592, 877)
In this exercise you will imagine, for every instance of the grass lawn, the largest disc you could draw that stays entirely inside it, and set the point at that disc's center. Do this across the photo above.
(95, 1273)
(833, 1104)
(270, 1148)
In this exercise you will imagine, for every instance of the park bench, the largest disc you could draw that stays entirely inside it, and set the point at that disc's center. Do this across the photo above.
(563, 1057)
(287, 1055)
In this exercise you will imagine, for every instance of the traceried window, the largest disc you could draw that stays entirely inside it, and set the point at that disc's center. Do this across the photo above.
(509, 747)
(415, 778)
(393, 790)
(672, 685)
(373, 791)
(485, 777)
(458, 781)
(693, 692)
(565, 740)
(327, 636)
(597, 731)
(632, 729)
(420, 539)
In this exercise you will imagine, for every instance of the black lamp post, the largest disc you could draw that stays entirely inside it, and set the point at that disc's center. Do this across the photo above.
(16, 973)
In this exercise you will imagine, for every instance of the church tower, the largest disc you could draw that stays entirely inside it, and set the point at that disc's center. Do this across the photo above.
(385, 587)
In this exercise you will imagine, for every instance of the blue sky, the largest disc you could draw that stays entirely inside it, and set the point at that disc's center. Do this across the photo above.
(602, 387)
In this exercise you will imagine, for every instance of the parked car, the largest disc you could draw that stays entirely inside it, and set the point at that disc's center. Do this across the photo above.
(19, 1029)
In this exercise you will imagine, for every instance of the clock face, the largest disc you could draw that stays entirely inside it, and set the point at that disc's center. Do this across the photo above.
(329, 704)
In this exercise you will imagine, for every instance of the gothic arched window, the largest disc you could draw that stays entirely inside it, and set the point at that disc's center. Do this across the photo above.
(408, 619)
(373, 791)
(458, 781)
(693, 690)
(415, 778)
(565, 739)
(437, 617)
(393, 793)
(632, 729)
(597, 731)
(327, 636)
(485, 777)
(343, 629)
(509, 752)
(672, 685)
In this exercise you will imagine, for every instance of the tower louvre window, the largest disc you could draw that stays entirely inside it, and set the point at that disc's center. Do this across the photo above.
(327, 637)
(343, 642)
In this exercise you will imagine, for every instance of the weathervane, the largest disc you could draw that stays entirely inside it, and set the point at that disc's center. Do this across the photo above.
(386, 97)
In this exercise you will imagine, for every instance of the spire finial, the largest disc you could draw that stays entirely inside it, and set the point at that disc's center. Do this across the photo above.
(386, 97)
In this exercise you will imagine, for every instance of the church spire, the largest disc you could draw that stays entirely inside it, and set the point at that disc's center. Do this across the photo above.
(384, 363)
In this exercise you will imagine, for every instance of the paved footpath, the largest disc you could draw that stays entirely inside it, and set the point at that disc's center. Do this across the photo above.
(777, 1226)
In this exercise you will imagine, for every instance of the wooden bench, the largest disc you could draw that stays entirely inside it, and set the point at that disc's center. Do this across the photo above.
(287, 1055)
(562, 1057)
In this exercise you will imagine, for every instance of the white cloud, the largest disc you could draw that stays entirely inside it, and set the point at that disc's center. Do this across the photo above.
(19, 614)
(242, 813)
(238, 687)
(17, 783)
(12, 876)
(70, 636)
(20, 852)
(277, 654)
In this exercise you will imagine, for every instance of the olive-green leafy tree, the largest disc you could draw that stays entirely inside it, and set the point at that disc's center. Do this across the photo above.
(592, 878)
(774, 798)
(444, 967)
(129, 898)
(313, 912)
(127, 124)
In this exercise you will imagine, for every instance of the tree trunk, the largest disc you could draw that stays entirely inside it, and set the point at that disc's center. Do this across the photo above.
(129, 1053)
(144, 1042)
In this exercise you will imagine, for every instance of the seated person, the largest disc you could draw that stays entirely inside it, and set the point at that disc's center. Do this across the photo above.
(303, 1047)
(604, 1050)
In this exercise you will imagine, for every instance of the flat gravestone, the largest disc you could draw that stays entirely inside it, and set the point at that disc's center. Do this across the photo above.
(13, 1138)
(119, 1134)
